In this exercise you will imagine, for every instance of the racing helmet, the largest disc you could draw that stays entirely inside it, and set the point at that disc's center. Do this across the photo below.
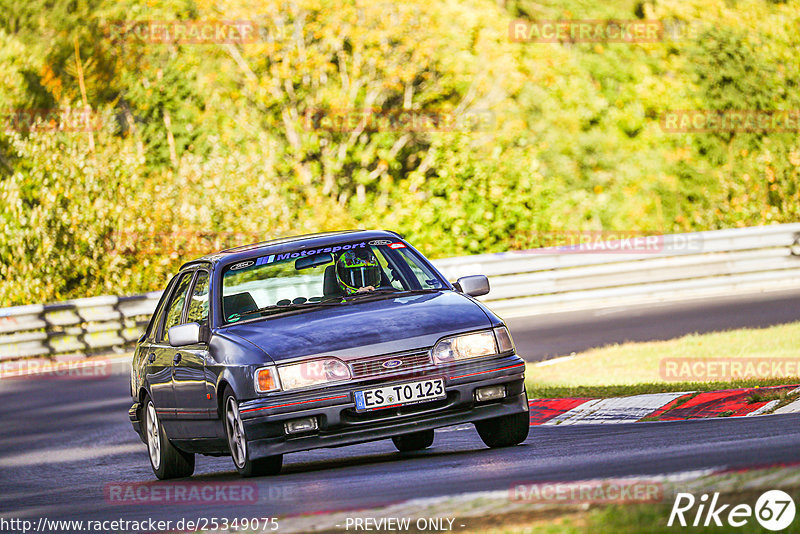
(356, 269)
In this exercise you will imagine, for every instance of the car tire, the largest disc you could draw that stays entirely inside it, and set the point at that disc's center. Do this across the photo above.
(166, 460)
(504, 431)
(237, 444)
(413, 442)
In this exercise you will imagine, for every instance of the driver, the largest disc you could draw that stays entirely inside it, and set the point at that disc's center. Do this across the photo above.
(358, 271)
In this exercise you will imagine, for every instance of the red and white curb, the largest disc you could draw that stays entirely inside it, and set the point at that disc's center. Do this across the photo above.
(673, 406)
(614, 410)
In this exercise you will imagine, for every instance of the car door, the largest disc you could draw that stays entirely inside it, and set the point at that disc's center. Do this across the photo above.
(162, 355)
(189, 382)
(144, 358)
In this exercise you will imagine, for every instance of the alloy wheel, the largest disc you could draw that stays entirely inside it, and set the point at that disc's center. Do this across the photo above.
(153, 436)
(236, 440)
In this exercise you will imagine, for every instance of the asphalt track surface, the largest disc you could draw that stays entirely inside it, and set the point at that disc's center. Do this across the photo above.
(65, 441)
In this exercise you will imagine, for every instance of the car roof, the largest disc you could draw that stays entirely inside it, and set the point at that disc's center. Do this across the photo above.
(281, 245)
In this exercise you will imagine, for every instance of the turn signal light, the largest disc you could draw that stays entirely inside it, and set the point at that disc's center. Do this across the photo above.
(266, 380)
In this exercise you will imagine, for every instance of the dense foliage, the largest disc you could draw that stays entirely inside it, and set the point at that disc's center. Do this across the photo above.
(193, 147)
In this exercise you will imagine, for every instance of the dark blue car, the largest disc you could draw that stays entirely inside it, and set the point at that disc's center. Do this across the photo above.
(319, 341)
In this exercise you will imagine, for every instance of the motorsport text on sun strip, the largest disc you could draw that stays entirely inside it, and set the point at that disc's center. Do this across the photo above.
(287, 255)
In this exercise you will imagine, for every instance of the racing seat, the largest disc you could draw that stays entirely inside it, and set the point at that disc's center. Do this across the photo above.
(330, 287)
(239, 303)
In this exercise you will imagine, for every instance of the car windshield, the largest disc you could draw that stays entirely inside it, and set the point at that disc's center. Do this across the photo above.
(331, 275)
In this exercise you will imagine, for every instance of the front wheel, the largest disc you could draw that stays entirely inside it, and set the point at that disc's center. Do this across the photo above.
(167, 461)
(414, 442)
(504, 431)
(237, 442)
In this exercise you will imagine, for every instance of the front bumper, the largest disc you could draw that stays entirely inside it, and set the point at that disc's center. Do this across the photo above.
(340, 424)
(133, 416)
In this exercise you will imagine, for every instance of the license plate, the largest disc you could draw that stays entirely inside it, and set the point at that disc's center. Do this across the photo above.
(400, 394)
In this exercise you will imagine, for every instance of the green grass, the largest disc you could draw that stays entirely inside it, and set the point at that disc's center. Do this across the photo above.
(634, 368)
(632, 519)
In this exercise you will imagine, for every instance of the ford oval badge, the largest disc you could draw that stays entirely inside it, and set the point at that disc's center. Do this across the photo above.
(391, 364)
(242, 265)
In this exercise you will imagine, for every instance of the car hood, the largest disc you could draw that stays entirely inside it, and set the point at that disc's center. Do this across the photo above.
(359, 329)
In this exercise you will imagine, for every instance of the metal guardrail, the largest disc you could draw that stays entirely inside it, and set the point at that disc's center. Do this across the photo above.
(672, 267)
(86, 326)
(589, 274)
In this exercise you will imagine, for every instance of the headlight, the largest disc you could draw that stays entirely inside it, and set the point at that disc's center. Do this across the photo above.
(266, 380)
(313, 373)
(464, 347)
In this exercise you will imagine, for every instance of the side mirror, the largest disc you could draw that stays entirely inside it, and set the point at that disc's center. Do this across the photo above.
(474, 286)
(185, 334)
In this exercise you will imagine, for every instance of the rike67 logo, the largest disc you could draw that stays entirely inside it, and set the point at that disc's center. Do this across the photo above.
(774, 510)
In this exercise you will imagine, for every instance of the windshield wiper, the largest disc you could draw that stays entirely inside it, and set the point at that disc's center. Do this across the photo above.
(282, 308)
(292, 307)
(381, 292)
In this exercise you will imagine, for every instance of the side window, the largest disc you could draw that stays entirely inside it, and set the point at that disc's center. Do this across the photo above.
(158, 313)
(175, 306)
(198, 305)
(426, 278)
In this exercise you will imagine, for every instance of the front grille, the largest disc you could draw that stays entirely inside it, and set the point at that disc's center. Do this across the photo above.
(374, 366)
